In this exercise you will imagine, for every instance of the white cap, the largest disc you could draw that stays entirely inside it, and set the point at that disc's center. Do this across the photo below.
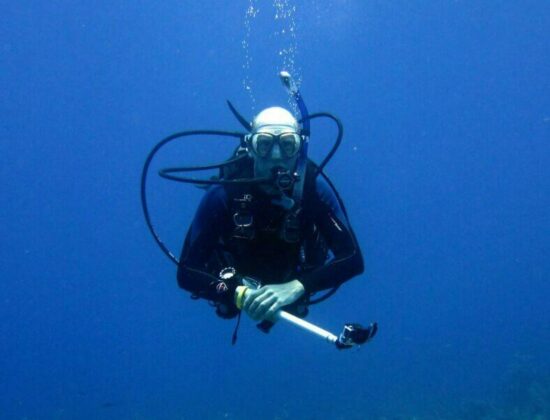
(274, 120)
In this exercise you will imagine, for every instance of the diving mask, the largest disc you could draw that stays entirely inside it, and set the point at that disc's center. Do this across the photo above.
(289, 144)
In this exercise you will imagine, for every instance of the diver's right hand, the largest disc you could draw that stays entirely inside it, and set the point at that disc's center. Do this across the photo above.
(263, 303)
(248, 296)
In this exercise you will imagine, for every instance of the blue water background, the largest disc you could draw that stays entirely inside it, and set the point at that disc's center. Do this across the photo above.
(444, 170)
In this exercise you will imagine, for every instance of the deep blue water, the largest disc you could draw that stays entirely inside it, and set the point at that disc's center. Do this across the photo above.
(444, 170)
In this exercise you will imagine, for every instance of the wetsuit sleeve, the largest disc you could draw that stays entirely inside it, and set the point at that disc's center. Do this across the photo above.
(200, 244)
(347, 260)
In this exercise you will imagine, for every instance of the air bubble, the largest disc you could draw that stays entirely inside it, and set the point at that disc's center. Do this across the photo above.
(285, 34)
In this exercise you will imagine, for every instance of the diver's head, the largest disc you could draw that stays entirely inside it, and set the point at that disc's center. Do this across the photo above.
(274, 142)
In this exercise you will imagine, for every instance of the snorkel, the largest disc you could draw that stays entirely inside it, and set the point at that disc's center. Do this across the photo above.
(300, 174)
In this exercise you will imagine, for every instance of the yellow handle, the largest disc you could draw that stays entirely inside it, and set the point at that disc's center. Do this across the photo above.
(239, 299)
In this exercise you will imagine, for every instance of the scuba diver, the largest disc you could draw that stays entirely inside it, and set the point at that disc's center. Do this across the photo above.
(254, 234)
(271, 230)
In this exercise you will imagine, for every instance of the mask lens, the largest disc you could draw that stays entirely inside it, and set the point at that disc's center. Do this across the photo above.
(263, 144)
(289, 143)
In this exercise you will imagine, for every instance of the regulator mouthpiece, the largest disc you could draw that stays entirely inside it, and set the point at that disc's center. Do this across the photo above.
(284, 179)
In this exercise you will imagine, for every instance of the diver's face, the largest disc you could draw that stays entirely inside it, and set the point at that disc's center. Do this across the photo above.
(275, 148)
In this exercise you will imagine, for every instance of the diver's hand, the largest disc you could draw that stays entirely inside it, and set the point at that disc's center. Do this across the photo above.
(262, 303)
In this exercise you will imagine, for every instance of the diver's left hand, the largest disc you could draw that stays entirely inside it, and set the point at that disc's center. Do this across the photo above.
(262, 303)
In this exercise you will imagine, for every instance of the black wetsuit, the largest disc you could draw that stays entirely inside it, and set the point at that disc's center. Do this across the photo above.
(326, 256)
